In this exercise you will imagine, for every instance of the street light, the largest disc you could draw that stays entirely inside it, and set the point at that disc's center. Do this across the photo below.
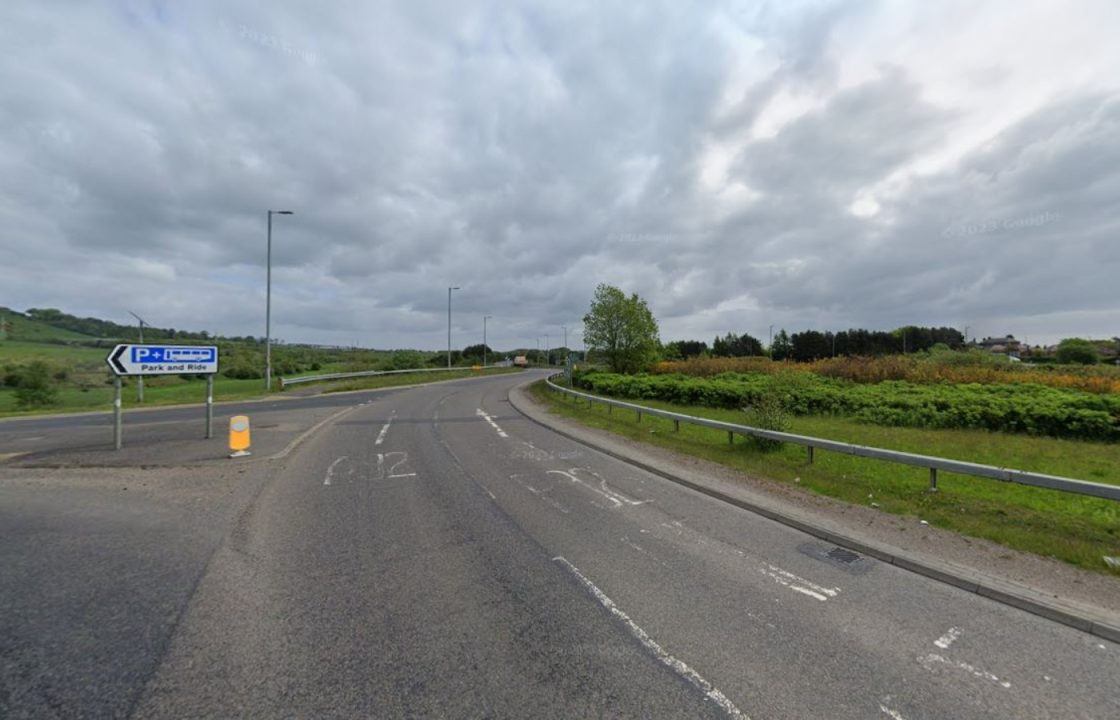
(567, 356)
(268, 303)
(449, 325)
(139, 378)
(484, 319)
(547, 350)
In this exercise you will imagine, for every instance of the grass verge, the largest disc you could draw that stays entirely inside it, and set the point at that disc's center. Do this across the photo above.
(1072, 528)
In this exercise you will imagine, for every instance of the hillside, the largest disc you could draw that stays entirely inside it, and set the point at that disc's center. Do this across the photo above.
(22, 327)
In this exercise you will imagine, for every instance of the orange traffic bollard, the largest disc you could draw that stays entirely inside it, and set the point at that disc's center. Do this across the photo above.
(239, 436)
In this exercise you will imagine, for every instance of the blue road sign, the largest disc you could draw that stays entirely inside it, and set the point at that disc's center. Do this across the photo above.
(163, 359)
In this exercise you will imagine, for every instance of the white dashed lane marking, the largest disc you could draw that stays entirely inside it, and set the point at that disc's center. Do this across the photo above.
(929, 661)
(384, 429)
(948, 638)
(482, 414)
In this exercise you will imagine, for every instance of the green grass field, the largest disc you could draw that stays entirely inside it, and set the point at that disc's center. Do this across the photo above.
(1076, 529)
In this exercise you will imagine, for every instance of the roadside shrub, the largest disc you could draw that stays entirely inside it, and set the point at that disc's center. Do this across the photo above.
(242, 371)
(1008, 407)
(34, 388)
(768, 413)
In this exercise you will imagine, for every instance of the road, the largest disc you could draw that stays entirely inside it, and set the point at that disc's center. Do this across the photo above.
(432, 553)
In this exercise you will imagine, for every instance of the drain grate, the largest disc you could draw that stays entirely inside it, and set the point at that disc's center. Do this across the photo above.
(843, 555)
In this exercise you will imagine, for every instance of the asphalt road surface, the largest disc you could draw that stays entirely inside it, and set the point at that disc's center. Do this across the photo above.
(434, 554)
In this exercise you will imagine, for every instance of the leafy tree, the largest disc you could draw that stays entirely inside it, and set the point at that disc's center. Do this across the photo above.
(1077, 351)
(684, 349)
(782, 348)
(810, 345)
(621, 330)
(732, 345)
(474, 352)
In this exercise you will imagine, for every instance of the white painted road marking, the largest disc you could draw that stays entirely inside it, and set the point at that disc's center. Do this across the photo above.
(542, 495)
(678, 666)
(382, 458)
(891, 713)
(928, 661)
(947, 639)
(482, 414)
(330, 470)
(799, 584)
(616, 498)
(384, 429)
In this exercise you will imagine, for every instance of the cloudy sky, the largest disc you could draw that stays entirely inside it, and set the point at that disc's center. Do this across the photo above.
(816, 164)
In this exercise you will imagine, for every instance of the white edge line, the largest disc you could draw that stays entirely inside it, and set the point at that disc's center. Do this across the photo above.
(678, 666)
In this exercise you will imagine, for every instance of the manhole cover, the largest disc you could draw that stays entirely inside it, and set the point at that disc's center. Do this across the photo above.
(843, 555)
(838, 557)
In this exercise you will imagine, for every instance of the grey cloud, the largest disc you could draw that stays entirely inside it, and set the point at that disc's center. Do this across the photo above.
(526, 154)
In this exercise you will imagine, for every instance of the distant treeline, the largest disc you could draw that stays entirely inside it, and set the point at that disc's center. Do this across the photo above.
(813, 345)
(98, 328)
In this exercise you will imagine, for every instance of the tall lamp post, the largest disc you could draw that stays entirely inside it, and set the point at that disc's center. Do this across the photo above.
(449, 325)
(139, 378)
(484, 319)
(268, 303)
(547, 350)
(567, 356)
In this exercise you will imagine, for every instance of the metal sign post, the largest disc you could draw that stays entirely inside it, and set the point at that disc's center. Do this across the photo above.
(140, 360)
(117, 413)
(209, 406)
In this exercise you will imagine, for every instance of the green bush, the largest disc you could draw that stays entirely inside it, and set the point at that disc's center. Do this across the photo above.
(34, 388)
(1075, 351)
(242, 371)
(768, 413)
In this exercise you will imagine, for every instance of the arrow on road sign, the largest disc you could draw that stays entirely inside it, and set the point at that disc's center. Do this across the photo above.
(114, 359)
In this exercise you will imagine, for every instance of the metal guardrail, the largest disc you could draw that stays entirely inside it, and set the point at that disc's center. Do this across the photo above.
(1022, 477)
(370, 373)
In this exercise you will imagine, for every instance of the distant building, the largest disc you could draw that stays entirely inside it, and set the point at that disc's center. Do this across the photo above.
(1006, 345)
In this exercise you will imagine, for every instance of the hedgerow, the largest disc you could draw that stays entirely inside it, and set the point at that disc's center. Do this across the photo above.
(1014, 407)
